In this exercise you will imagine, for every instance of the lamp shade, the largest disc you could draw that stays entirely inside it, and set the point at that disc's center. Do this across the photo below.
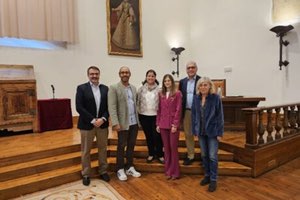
(178, 50)
(281, 30)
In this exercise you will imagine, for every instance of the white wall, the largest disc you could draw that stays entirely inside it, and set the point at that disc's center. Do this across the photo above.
(164, 23)
(215, 33)
(235, 34)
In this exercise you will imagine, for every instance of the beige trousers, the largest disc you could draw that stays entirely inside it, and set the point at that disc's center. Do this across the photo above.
(189, 137)
(87, 138)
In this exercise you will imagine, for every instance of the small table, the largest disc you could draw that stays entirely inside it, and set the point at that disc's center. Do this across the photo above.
(234, 119)
(54, 114)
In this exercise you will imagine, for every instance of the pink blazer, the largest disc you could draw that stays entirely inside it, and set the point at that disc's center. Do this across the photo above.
(169, 111)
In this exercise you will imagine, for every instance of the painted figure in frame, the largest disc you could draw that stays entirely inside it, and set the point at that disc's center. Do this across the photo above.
(125, 35)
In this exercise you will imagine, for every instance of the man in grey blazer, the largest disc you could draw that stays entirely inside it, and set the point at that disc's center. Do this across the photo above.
(124, 119)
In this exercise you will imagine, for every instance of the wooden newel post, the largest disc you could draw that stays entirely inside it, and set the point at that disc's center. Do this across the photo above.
(251, 127)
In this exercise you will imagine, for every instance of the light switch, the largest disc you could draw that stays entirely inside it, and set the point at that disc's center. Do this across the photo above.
(227, 69)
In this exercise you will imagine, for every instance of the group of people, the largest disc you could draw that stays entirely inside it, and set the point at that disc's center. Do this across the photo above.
(160, 112)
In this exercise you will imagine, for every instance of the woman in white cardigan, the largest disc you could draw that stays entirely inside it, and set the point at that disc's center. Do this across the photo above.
(147, 104)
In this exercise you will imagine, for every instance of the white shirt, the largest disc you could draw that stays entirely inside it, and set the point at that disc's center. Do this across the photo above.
(97, 96)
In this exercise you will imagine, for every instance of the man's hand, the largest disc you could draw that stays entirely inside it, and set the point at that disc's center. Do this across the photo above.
(116, 127)
(173, 129)
(98, 122)
(157, 129)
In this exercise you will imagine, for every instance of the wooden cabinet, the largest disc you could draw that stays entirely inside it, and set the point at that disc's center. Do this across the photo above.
(234, 119)
(18, 98)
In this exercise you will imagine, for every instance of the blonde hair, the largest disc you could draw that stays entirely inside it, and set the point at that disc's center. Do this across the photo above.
(211, 85)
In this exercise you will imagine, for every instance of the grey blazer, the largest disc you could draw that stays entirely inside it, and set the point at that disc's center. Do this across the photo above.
(117, 105)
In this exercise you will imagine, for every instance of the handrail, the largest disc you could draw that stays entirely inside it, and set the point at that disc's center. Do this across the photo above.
(268, 124)
(272, 107)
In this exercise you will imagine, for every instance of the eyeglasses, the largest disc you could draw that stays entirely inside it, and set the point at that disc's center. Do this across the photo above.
(93, 74)
(124, 72)
(192, 67)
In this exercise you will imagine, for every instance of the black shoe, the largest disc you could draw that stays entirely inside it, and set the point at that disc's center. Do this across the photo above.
(212, 186)
(150, 159)
(86, 180)
(205, 181)
(105, 177)
(188, 161)
(161, 160)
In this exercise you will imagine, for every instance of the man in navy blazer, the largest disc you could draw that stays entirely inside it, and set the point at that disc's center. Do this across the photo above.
(187, 86)
(91, 104)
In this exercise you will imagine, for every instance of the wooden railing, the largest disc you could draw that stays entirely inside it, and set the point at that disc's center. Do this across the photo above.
(267, 125)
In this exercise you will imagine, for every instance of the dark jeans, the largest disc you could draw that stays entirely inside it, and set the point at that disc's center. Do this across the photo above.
(153, 138)
(209, 155)
(126, 138)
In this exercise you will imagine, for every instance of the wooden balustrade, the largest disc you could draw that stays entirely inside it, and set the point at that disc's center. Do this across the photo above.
(281, 122)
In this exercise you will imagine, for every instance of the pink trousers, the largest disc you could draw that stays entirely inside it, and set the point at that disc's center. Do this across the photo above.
(170, 142)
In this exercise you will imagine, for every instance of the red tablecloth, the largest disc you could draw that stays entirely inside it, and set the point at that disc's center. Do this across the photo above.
(54, 114)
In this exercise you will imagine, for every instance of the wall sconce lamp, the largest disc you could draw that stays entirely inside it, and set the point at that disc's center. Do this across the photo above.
(177, 51)
(280, 32)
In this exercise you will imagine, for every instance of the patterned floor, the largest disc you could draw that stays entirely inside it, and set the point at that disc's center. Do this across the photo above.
(97, 190)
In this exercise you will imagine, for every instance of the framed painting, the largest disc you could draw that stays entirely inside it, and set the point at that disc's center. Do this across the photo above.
(220, 83)
(124, 28)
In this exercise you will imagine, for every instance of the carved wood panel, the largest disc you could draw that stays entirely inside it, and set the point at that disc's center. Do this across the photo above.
(17, 98)
(18, 101)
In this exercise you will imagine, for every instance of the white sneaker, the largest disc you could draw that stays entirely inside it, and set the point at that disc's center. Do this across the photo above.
(121, 175)
(132, 172)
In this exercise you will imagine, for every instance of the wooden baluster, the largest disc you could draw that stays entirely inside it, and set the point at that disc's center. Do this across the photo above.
(269, 126)
(293, 119)
(277, 126)
(285, 122)
(251, 119)
(261, 128)
(298, 116)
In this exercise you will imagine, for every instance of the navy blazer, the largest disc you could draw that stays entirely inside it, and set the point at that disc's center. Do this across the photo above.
(86, 106)
(214, 118)
(183, 89)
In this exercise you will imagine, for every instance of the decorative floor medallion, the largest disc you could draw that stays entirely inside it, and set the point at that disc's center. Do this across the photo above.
(98, 190)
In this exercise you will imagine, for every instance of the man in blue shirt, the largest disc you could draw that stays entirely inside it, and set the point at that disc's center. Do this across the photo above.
(187, 86)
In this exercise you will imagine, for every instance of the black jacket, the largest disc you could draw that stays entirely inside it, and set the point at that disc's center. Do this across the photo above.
(86, 106)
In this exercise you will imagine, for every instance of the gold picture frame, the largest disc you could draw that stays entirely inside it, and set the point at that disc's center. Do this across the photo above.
(124, 27)
(220, 83)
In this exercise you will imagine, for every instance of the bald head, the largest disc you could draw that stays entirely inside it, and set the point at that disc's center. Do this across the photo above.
(124, 68)
(124, 74)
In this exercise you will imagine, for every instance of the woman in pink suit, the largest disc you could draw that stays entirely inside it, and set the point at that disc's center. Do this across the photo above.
(168, 122)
